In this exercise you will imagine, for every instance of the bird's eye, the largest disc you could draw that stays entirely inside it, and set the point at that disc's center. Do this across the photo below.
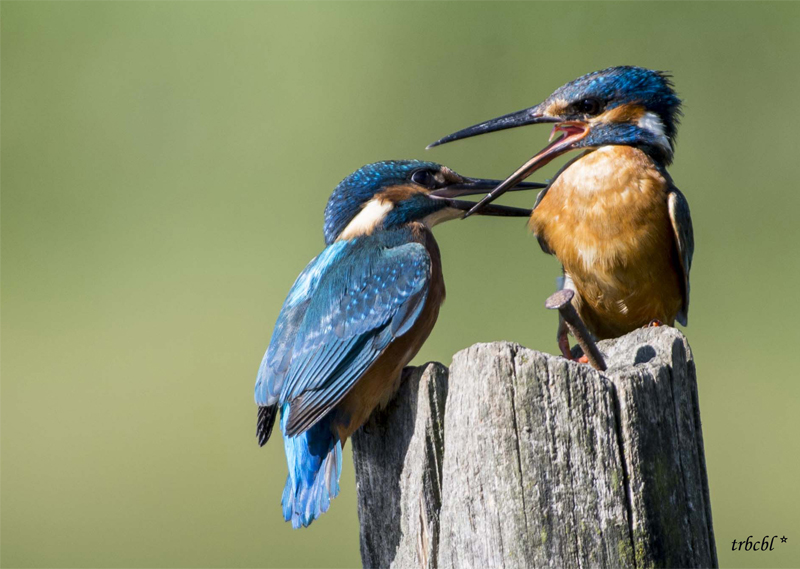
(423, 178)
(588, 106)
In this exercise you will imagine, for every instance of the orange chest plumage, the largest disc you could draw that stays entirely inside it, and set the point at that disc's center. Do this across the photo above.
(606, 218)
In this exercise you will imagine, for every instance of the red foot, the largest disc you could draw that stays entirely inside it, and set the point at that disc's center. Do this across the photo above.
(583, 359)
(655, 323)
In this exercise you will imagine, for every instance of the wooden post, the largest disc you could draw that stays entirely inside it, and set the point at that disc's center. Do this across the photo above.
(515, 458)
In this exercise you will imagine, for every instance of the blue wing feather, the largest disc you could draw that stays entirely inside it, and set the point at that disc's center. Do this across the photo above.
(373, 294)
(278, 356)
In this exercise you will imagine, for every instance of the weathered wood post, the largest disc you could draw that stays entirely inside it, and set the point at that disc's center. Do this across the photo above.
(515, 458)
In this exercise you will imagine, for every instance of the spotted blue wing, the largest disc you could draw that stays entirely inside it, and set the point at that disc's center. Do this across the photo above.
(370, 298)
(681, 220)
(275, 364)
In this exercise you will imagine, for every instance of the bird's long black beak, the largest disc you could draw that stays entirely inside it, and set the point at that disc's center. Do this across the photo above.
(472, 186)
(512, 120)
(573, 131)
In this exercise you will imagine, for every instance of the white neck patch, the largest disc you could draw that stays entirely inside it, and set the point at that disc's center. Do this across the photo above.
(370, 216)
(652, 123)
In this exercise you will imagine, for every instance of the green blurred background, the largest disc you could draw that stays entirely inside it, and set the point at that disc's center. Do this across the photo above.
(164, 170)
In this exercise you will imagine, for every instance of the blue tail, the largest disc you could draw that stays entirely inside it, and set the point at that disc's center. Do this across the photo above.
(315, 463)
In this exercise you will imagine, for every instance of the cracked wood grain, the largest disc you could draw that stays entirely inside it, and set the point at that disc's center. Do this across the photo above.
(398, 460)
(517, 458)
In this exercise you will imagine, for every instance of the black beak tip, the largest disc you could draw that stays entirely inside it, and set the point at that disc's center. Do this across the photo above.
(472, 211)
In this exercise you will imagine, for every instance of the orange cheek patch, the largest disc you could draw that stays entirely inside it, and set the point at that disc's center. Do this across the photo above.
(395, 194)
(622, 114)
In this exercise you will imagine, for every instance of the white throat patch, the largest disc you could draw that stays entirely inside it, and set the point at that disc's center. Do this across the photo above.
(370, 216)
(444, 214)
(652, 123)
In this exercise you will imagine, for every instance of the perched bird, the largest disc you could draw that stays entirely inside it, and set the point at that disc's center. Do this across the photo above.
(612, 215)
(357, 314)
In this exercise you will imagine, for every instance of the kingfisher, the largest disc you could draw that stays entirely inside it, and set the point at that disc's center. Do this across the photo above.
(612, 215)
(356, 315)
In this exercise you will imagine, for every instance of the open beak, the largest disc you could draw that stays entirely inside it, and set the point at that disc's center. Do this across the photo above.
(573, 132)
(472, 186)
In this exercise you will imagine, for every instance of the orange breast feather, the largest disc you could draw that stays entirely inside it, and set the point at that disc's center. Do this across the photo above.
(606, 219)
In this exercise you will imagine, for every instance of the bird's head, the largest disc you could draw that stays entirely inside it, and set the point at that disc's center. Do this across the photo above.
(625, 105)
(389, 194)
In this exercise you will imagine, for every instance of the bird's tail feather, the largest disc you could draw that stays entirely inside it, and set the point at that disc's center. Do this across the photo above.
(265, 422)
(315, 464)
